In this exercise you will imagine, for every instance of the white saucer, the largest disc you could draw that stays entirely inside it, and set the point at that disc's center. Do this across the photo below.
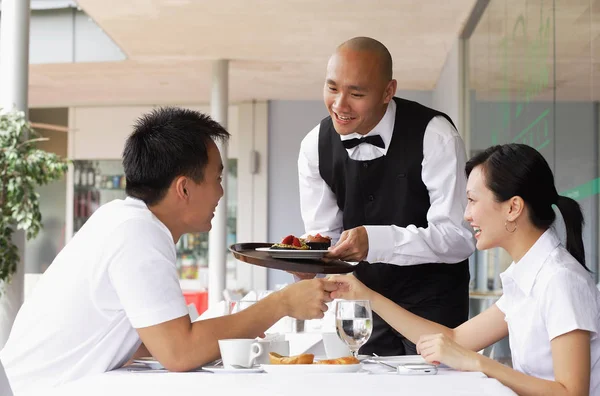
(223, 370)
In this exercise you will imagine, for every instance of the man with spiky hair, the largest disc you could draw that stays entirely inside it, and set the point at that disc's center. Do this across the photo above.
(113, 292)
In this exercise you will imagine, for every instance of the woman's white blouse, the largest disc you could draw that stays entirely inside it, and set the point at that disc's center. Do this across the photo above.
(547, 294)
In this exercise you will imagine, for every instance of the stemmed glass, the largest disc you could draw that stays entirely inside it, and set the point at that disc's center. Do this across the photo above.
(354, 323)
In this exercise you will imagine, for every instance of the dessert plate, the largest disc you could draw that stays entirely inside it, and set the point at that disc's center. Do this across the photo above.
(308, 254)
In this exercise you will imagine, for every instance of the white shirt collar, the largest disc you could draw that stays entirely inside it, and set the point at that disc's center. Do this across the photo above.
(384, 128)
(135, 201)
(526, 270)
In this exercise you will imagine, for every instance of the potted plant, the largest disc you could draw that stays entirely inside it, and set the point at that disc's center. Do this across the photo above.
(22, 167)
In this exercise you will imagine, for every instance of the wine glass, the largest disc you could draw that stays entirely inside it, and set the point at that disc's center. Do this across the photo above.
(237, 306)
(354, 323)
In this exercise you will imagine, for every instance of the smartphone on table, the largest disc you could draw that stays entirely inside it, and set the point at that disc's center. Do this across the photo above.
(417, 369)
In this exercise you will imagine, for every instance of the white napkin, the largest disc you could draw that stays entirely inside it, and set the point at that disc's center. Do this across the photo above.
(251, 296)
(306, 343)
(273, 337)
(215, 311)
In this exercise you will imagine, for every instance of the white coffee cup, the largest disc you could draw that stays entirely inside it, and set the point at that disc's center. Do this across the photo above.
(281, 347)
(334, 346)
(239, 352)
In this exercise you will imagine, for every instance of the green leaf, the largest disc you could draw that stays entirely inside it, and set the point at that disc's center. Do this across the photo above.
(23, 167)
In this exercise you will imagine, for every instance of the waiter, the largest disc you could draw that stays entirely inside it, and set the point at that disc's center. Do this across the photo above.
(386, 176)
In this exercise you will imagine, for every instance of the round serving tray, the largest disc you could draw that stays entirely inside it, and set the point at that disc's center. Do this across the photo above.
(247, 253)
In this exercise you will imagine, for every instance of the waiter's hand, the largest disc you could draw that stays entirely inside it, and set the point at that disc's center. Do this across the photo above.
(352, 246)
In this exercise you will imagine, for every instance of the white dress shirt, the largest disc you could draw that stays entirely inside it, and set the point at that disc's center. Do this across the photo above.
(547, 294)
(446, 239)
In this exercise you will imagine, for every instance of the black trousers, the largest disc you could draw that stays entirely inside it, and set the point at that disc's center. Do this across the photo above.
(438, 292)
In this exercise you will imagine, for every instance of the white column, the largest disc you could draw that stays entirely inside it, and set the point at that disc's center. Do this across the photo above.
(14, 54)
(14, 76)
(217, 238)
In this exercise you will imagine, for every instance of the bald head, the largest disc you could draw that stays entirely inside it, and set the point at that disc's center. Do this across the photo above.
(358, 85)
(367, 44)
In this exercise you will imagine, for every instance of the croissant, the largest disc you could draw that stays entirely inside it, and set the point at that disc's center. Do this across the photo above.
(342, 360)
(305, 358)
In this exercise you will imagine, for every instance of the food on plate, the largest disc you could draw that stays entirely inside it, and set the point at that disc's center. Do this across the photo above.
(291, 242)
(305, 358)
(309, 358)
(318, 242)
(342, 360)
(314, 242)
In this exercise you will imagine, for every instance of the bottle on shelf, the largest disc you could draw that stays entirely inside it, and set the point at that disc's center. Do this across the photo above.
(90, 175)
(184, 243)
(189, 268)
(83, 181)
(191, 241)
(83, 207)
(76, 176)
(98, 180)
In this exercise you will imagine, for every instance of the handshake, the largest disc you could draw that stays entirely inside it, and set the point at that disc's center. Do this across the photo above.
(307, 299)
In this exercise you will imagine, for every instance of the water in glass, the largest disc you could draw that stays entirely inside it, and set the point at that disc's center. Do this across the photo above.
(354, 323)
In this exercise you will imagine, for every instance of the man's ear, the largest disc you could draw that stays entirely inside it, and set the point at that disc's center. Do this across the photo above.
(390, 91)
(181, 189)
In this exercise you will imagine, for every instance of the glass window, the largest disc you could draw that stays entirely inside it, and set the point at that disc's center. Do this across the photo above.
(532, 80)
(99, 182)
(95, 183)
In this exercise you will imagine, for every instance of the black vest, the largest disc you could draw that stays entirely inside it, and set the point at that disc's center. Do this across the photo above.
(389, 190)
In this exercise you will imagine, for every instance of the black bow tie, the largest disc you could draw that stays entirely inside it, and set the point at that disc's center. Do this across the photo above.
(375, 140)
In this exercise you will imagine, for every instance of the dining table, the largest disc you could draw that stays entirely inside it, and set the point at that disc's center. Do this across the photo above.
(372, 379)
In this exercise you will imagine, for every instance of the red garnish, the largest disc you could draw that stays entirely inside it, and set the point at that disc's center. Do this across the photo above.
(288, 240)
(296, 242)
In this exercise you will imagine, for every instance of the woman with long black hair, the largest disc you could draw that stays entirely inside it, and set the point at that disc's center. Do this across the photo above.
(550, 308)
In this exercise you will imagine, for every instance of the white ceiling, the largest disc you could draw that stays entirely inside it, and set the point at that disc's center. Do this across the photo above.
(278, 48)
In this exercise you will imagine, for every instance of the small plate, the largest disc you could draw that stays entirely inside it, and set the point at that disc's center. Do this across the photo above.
(221, 369)
(294, 254)
(359, 357)
(150, 362)
(310, 368)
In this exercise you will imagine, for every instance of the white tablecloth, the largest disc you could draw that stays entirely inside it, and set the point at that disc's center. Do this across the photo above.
(123, 382)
